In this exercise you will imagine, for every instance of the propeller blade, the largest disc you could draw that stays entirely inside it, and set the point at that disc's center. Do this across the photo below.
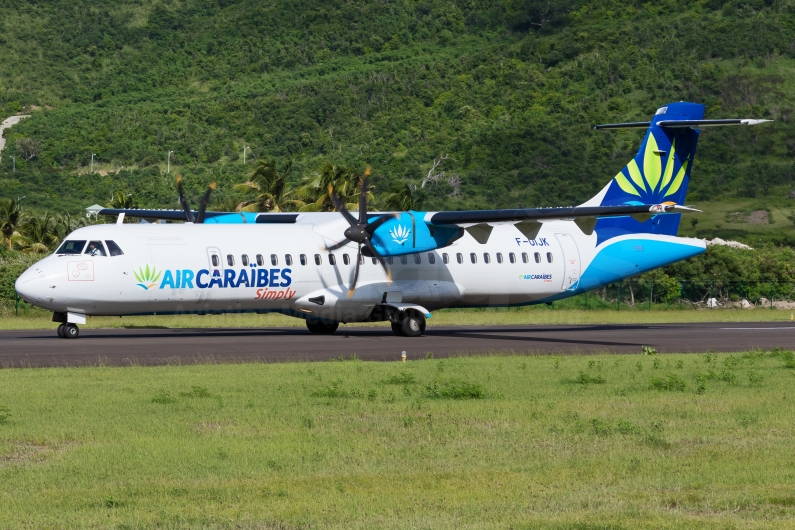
(340, 206)
(372, 227)
(203, 205)
(355, 273)
(363, 196)
(183, 201)
(380, 258)
(339, 245)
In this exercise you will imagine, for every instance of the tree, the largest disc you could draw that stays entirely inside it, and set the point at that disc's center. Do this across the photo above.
(345, 182)
(402, 197)
(123, 201)
(65, 224)
(11, 216)
(38, 235)
(269, 188)
(28, 148)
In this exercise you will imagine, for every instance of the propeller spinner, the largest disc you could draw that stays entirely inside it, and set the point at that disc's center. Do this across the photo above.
(199, 218)
(360, 231)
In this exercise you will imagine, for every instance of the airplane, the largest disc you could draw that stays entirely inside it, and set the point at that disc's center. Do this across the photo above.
(341, 267)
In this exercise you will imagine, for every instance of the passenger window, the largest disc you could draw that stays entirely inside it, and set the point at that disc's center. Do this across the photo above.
(72, 247)
(417, 259)
(215, 260)
(346, 260)
(274, 259)
(389, 259)
(288, 259)
(332, 260)
(95, 248)
(525, 259)
(361, 259)
(499, 257)
(244, 260)
(230, 259)
(486, 257)
(445, 258)
(549, 257)
(302, 257)
(473, 257)
(318, 259)
(459, 258)
(431, 258)
(260, 260)
(538, 257)
(375, 261)
(404, 259)
(512, 257)
(113, 248)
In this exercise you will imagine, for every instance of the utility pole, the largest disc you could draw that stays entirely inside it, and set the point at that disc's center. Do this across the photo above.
(168, 164)
(92, 161)
(244, 155)
(14, 159)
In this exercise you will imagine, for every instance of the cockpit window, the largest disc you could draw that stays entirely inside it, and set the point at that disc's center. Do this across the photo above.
(95, 248)
(113, 248)
(72, 247)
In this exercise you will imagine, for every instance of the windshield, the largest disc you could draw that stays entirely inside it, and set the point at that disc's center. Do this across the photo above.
(71, 247)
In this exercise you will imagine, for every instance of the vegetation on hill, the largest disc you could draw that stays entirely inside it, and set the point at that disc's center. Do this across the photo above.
(504, 94)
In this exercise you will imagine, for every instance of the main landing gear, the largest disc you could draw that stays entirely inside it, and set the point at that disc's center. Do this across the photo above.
(411, 325)
(321, 327)
(68, 331)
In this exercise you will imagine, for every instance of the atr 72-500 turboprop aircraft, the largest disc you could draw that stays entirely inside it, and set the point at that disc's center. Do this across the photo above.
(337, 267)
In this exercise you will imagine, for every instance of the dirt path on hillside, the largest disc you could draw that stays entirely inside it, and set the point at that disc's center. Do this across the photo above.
(8, 122)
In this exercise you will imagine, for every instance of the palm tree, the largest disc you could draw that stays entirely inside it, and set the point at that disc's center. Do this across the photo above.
(269, 189)
(345, 182)
(65, 224)
(402, 198)
(123, 201)
(39, 235)
(11, 217)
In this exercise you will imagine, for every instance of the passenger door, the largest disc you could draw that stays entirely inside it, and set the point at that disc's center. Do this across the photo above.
(571, 262)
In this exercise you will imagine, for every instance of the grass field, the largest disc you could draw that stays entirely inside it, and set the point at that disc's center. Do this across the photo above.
(464, 317)
(620, 441)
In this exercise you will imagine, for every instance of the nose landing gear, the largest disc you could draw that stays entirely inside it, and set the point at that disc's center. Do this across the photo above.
(68, 331)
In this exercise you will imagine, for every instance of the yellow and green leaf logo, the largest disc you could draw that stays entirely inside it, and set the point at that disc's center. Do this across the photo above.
(147, 278)
(653, 183)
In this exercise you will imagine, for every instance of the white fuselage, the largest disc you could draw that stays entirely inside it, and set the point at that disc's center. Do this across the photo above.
(187, 268)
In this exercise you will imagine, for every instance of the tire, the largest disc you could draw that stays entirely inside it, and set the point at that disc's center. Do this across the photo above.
(71, 331)
(61, 331)
(321, 327)
(397, 329)
(413, 324)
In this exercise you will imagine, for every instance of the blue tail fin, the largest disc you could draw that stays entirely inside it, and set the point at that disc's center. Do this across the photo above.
(658, 174)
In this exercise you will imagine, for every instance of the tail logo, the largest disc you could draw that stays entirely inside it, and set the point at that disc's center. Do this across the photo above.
(653, 182)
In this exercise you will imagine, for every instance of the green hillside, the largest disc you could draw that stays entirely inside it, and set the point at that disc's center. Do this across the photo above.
(508, 90)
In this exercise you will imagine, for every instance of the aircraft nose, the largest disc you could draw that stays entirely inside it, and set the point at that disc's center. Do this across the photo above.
(32, 285)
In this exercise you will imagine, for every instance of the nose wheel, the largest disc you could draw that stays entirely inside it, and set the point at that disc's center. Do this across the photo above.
(68, 331)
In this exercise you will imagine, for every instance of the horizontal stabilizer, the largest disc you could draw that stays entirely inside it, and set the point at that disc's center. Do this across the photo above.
(679, 124)
(538, 214)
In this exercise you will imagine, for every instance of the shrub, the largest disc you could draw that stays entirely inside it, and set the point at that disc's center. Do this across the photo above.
(405, 378)
(648, 350)
(330, 391)
(455, 389)
(164, 398)
(600, 428)
(586, 379)
(5, 414)
(196, 391)
(670, 382)
(755, 379)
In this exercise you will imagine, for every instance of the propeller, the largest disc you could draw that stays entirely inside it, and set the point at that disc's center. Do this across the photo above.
(199, 218)
(360, 231)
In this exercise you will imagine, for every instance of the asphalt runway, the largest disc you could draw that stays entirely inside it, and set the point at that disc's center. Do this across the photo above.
(185, 346)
